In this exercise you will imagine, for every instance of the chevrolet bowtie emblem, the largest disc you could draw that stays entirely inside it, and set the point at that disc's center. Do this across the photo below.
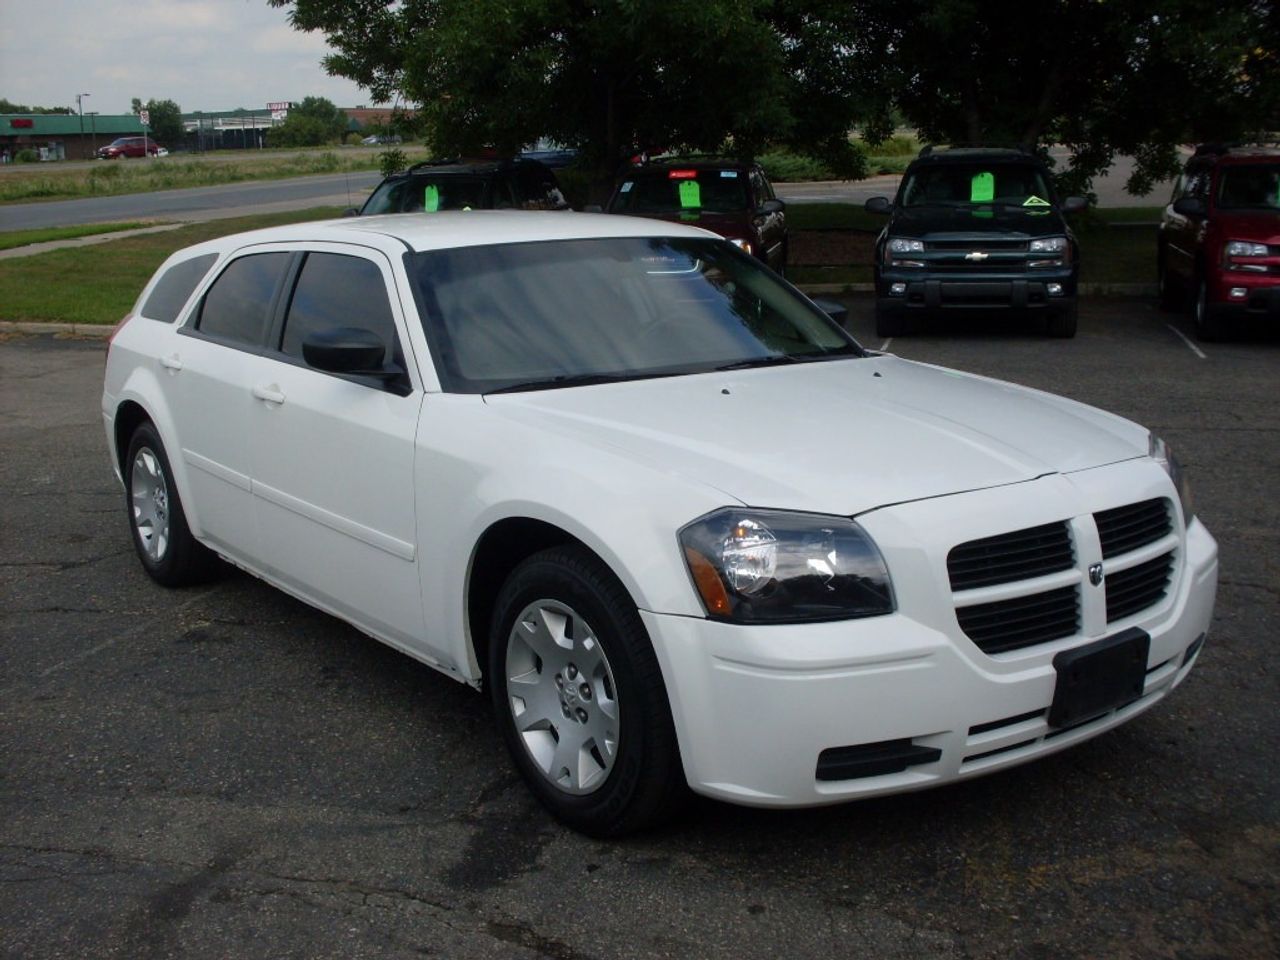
(976, 255)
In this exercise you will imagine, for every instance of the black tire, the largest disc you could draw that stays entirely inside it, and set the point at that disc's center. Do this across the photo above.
(1063, 325)
(1166, 292)
(180, 560)
(889, 324)
(1208, 327)
(644, 784)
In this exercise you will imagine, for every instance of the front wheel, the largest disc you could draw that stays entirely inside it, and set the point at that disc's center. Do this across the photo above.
(168, 551)
(1168, 296)
(1207, 326)
(1063, 325)
(579, 696)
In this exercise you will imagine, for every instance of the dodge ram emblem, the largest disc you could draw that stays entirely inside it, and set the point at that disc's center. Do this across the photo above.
(1095, 574)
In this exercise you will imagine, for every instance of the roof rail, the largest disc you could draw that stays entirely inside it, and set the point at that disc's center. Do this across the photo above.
(1219, 148)
(931, 148)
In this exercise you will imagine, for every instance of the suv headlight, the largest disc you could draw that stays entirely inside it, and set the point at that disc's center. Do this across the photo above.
(1049, 245)
(770, 566)
(1162, 454)
(1246, 248)
(903, 245)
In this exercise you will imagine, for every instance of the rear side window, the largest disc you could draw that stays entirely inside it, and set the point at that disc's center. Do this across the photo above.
(237, 307)
(334, 290)
(174, 289)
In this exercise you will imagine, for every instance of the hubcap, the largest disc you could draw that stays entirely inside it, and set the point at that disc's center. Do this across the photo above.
(562, 695)
(149, 494)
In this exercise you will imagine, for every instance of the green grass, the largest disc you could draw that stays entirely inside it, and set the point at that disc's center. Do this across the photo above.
(99, 284)
(23, 238)
(112, 177)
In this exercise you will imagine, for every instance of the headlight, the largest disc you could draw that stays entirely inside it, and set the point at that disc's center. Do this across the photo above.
(744, 245)
(1246, 248)
(1162, 454)
(903, 245)
(1049, 245)
(767, 566)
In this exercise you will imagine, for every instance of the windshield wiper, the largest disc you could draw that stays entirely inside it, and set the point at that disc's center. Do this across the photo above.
(770, 361)
(573, 380)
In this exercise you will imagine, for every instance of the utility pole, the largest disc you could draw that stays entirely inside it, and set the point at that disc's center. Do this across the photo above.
(80, 107)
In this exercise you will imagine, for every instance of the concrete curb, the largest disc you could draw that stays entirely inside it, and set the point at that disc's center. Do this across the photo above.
(34, 249)
(92, 331)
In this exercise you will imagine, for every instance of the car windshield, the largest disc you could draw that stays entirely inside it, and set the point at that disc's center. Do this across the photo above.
(527, 316)
(682, 190)
(120, 142)
(1255, 186)
(423, 195)
(970, 184)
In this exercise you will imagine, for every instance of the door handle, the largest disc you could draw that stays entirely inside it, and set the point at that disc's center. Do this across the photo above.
(271, 394)
(173, 363)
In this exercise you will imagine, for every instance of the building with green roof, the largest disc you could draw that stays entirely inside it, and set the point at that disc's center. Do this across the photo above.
(62, 136)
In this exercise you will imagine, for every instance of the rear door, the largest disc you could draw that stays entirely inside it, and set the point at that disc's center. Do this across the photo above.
(333, 455)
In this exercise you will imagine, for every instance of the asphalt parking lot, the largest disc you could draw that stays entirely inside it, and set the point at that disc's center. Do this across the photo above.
(224, 772)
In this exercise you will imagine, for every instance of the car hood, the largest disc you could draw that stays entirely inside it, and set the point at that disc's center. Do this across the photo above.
(1016, 221)
(1260, 226)
(840, 437)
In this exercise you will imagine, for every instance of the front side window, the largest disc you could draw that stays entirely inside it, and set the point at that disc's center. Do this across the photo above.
(975, 184)
(1255, 186)
(237, 308)
(539, 315)
(174, 289)
(335, 290)
(678, 190)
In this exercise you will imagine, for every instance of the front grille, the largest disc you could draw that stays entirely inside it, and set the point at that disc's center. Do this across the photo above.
(1023, 621)
(1020, 555)
(1132, 526)
(1137, 588)
(970, 245)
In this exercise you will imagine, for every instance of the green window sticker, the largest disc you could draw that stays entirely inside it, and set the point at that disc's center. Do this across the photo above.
(1034, 201)
(690, 194)
(982, 188)
(431, 198)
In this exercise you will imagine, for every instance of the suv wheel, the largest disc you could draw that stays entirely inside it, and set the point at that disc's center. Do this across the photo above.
(1063, 325)
(1168, 296)
(1207, 326)
(579, 696)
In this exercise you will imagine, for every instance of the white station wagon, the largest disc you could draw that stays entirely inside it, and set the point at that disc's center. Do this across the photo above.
(683, 528)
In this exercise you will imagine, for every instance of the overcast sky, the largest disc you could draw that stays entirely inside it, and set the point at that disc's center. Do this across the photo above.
(205, 54)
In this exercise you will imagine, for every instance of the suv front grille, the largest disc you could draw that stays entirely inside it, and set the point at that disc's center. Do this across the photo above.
(1127, 528)
(1023, 621)
(982, 244)
(1020, 555)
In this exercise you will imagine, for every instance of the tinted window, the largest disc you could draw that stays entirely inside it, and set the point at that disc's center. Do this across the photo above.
(338, 291)
(962, 184)
(175, 288)
(537, 189)
(676, 190)
(542, 314)
(1249, 187)
(388, 198)
(237, 306)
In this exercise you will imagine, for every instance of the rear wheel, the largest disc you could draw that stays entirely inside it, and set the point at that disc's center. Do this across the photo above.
(579, 696)
(168, 551)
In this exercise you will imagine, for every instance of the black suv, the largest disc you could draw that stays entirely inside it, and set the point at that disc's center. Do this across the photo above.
(975, 229)
(519, 184)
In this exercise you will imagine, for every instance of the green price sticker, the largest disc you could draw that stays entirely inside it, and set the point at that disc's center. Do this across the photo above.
(690, 194)
(982, 188)
(1034, 201)
(431, 198)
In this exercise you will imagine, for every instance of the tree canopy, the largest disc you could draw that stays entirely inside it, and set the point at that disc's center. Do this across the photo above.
(312, 122)
(613, 77)
(8, 106)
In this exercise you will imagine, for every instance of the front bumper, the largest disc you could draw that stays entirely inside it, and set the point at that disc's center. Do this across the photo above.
(1260, 300)
(946, 293)
(755, 707)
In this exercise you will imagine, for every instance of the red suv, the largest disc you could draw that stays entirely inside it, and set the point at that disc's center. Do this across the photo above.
(121, 148)
(728, 197)
(1220, 238)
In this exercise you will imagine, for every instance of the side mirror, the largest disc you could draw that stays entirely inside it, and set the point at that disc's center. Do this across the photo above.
(351, 212)
(345, 350)
(593, 208)
(1189, 207)
(1074, 204)
(878, 205)
(772, 206)
(833, 309)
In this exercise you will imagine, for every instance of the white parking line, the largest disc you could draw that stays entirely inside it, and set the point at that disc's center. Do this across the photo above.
(1190, 346)
(885, 346)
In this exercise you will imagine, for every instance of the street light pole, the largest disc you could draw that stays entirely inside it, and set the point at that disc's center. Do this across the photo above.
(80, 107)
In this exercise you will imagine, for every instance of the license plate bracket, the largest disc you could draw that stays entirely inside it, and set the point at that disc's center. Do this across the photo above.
(1099, 677)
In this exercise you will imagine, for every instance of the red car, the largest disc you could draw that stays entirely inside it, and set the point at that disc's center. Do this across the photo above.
(728, 197)
(121, 148)
(1219, 243)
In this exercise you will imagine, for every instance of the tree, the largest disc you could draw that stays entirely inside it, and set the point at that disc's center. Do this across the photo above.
(312, 122)
(8, 106)
(166, 121)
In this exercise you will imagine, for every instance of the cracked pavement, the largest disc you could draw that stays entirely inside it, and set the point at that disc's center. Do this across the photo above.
(224, 772)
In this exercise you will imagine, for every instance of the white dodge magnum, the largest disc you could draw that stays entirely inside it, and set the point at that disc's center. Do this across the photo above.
(683, 529)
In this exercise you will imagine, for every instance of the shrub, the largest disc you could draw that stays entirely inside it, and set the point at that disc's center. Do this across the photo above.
(26, 156)
(391, 161)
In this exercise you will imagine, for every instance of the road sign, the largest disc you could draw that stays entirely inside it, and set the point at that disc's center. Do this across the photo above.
(145, 117)
(279, 105)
